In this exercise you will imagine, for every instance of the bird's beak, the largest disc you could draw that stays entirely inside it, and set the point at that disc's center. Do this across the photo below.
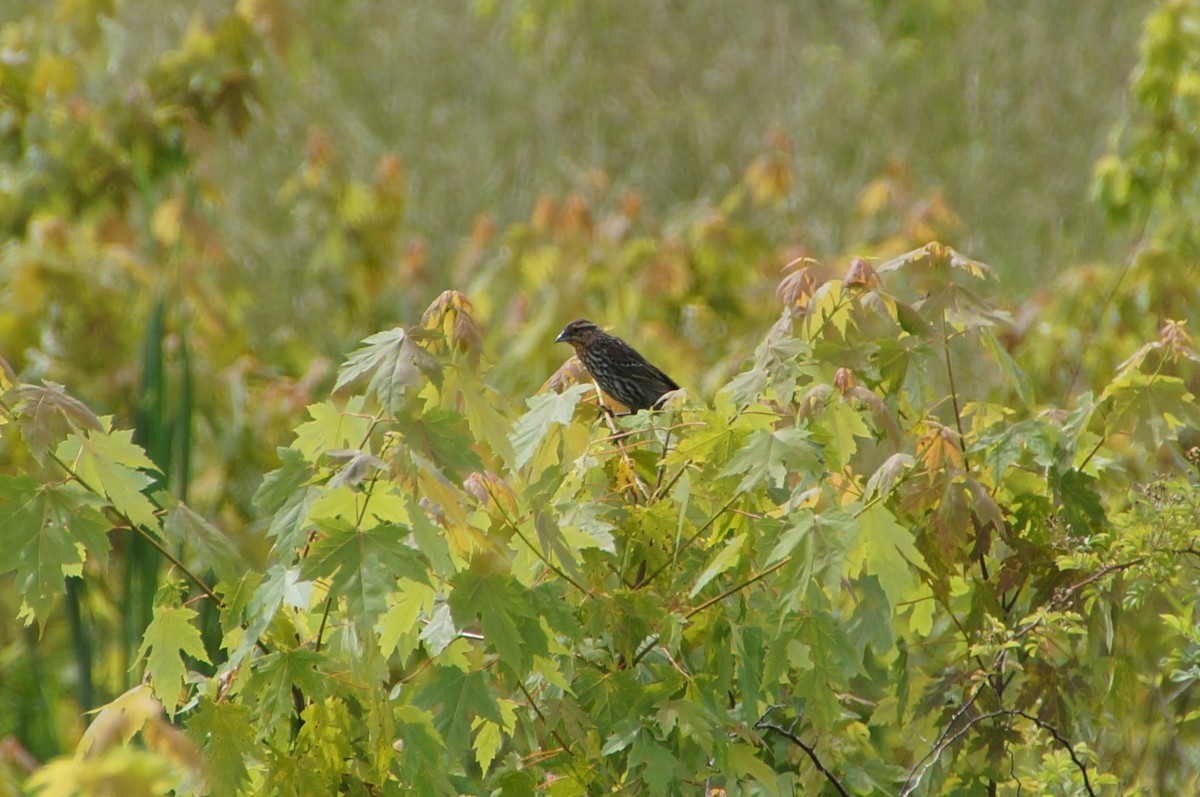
(562, 337)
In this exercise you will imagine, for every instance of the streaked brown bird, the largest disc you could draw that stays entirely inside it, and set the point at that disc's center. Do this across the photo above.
(616, 366)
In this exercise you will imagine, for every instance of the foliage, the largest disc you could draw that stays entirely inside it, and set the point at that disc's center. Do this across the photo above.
(1146, 184)
(860, 541)
(890, 539)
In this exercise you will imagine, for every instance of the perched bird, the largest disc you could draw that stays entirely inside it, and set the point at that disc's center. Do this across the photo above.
(616, 366)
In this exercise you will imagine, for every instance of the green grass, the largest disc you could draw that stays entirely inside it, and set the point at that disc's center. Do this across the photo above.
(1003, 106)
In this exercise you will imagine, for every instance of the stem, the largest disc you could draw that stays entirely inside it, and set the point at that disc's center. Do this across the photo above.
(735, 589)
(1058, 737)
(145, 533)
(724, 508)
(516, 529)
(962, 438)
(324, 619)
(810, 751)
(709, 603)
(533, 705)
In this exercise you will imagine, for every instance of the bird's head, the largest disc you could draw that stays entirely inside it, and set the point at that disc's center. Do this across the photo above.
(578, 333)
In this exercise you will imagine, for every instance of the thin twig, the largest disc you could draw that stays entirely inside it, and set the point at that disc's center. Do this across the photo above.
(738, 588)
(1058, 737)
(810, 751)
(533, 705)
(710, 602)
(693, 538)
(962, 438)
(517, 530)
(663, 489)
(324, 619)
(944, 740)
(950, 736)
(145, 533)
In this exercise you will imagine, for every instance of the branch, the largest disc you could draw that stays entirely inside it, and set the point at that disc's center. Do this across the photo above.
(1058, 737)
(138, 529)
(944, 741)
(710, 602)
(533, 704)
(962, 438)
(558, 571)
(947, 740)
(724, 508)
(810, 750)
(737, 588)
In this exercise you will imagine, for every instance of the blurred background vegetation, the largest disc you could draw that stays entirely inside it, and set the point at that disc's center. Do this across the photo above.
(1003, 107)
(205, 204)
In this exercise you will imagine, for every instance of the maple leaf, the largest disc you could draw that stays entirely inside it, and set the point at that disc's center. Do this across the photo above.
(455, 697)
(171, 632)
(363, 563)
(113, 465)
(510, 624)
(47, 528)
(47, 414)
(769, 455)
(545, 412)
(395, 364)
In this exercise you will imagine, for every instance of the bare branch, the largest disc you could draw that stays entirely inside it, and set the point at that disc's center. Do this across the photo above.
(810, 751)
(1058, 737)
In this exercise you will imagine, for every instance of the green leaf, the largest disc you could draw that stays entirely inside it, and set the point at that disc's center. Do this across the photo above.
(546, 410)
(769, 454)
(400, 622)
(47, 529)
(837, 426)
(331, 429)
(170, 632)
(269, 689)
(747, 764)
(394, 362)
(290, 525)
(1152, 406)
(226, 736)
(489, 735)
(111, 464)
(886, 550)
(455, 698)
(281, 587)
(801, 524)
(1017, 379)
(46, 415)
(694, 722)
(363, 565)
(440, 434)
(479, 402)
(431, 540)
(282, 483)
(510, 625)
(659, 766)
(1079, 503)
(421, 764)
(623, 736)
(583, 525)
(720, 562)
(487, 743)
(185, 527)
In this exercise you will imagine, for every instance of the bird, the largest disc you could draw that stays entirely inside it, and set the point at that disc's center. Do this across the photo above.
(617, 367)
